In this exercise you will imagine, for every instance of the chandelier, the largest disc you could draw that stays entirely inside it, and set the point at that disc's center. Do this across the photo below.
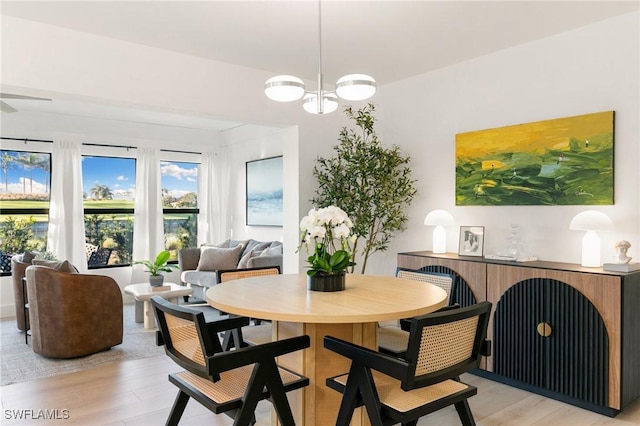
(288, 88)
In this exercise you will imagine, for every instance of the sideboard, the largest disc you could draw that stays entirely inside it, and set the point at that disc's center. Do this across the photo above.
(557, 329)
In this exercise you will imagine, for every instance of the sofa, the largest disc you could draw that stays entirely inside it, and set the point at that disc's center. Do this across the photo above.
(71, 314)
(198, 266)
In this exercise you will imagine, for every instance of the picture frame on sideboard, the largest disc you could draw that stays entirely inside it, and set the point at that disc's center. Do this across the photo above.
(471, 241)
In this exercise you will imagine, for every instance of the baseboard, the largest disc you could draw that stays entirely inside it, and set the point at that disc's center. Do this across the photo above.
(8, 311)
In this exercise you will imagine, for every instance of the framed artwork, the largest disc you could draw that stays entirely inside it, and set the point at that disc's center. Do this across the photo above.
(559, 162)
(264, 192)
(471, 241)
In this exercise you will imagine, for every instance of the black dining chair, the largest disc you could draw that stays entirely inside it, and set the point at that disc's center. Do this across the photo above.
(253, 334)
(230, 382)
(393, 336)
(442, 346)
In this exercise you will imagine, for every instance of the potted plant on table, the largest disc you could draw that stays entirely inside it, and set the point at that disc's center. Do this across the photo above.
(155, 268)
(327, 231)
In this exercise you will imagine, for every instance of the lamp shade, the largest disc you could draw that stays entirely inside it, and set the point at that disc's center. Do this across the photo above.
(284, 88)
(591, 220)
(356, 87)
(329, 103)
(439, 217)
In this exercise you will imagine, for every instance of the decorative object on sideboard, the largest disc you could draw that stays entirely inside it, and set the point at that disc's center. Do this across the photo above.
(591, 221)
(514, 250)
(622, 262)
(563, 161)
(622, 247)
(439, 218)
(352, 87)
(471, 241)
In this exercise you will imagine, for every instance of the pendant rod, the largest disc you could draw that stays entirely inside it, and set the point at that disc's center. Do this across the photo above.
(320, 86)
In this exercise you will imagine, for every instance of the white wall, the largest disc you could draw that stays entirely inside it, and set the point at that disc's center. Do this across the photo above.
(592, 69)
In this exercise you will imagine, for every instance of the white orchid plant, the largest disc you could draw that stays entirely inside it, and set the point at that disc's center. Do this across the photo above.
(326, 232)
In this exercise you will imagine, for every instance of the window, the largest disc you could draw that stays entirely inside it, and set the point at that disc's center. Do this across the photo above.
(179, 205)
(25, 189)
(108, 185)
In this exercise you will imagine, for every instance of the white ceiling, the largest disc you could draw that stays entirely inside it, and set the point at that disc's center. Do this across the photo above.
(389, 40)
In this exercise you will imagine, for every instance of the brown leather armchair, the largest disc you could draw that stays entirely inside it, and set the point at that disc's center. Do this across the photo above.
(73, 315)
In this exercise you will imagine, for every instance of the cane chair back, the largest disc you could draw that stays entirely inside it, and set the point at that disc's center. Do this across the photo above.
(442, 346)
(392, 339)
(255, 334)
(444, 281)
(231, 382)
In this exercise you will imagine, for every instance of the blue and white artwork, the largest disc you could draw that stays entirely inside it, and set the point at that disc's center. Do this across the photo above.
(264, 192)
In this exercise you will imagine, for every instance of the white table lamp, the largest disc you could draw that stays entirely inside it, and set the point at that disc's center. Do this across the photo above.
(439, 219)
(591, 221)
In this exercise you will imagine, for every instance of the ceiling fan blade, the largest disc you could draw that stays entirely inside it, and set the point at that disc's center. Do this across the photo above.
(5, 107)
(12, 96)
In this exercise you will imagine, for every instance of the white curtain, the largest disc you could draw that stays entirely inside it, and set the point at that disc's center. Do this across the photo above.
(148, 230)
(65, 236)
(213, 198)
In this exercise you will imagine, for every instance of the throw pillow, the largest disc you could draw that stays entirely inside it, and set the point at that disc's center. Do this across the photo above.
(251, 250)
(214, 258)
(244, 262)
(272, 251)
(62, 266)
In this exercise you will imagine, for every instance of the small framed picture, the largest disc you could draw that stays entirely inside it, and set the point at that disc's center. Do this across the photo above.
(471, 241)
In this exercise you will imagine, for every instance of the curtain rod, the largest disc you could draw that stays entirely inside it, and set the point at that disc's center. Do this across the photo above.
(25, 140)
(135, 147)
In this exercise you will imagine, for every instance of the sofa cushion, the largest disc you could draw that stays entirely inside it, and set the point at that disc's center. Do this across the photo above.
(214, 258)
(199, 278)
(62, 266)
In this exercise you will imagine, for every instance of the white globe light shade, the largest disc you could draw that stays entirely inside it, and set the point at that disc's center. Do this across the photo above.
(284, 88)
(329, 103)
(356, 87)
(439, 218)
(591, 221)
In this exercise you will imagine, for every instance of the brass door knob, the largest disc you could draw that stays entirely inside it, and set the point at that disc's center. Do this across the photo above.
(544, 329)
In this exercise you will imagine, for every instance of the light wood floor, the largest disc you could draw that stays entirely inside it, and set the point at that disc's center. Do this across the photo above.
(138, 393)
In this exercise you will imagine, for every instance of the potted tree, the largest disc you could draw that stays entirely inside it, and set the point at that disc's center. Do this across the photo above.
(155, 268)
(370, 182)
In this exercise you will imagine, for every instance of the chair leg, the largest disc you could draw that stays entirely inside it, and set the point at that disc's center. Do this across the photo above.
(370, 398)
(251, 398)
(278, 395)
(178, 408)
(464, 412)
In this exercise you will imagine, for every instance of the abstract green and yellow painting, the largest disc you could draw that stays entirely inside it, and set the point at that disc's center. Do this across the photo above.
(564, 161)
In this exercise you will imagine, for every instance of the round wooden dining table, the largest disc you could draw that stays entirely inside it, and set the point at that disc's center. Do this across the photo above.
(352, 314)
